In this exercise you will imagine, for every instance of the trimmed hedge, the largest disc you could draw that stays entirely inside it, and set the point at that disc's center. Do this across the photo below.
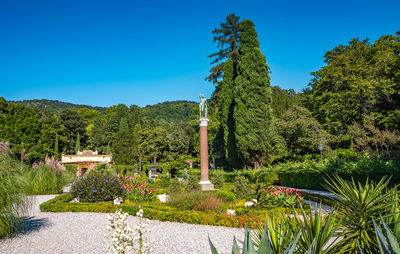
(161, 212)
(310, 174)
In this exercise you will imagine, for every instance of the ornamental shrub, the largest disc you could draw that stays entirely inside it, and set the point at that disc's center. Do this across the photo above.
(218, 179)
(43, 180)
(228, 196)
(192, 183)
(198, 200)
(13, 203)
(138, 191)
(95, 188)
(242, 188)
(175, 186)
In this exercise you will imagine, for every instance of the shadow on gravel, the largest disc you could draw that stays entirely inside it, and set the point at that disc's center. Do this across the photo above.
(31, 224)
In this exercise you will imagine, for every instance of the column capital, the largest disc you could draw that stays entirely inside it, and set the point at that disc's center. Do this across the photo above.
(203, 121)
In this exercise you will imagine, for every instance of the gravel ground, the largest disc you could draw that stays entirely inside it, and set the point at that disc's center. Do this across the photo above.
(84, 233)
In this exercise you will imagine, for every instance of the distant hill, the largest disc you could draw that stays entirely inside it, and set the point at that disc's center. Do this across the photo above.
(54, 106)
(169, 111)
(180, 111)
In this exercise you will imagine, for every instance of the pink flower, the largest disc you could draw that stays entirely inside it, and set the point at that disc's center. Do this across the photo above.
(133, 204)
(265, 191)
(152, 191)
(142, 192)
(275, 192)
(129, 189)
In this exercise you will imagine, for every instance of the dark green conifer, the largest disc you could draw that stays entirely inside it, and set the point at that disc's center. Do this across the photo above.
(252, 111)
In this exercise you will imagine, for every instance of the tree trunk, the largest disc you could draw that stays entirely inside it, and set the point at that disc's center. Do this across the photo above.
(256, 158)
(155, 159)
(140, 162)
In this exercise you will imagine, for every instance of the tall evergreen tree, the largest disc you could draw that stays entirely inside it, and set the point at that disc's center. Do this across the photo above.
(227, 121)
(56, 147)
(252, 112)
(77, 144)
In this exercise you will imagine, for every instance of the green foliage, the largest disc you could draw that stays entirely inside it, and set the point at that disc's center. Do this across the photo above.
(138, 191)
(95, 188)
(283, 100)
(301, 131)
(198, 200)
(359, 204)
(13, 203)
(53, 106)
(43, 180)
(358, 79)
(176, 111)
(176, 186)
(192, 183)
(252, 111)
(226, 195)
(242, 188)
(387, 241)
(218, 179)
(227, 37)
(152, 211)
(266, 244)
(310, 174)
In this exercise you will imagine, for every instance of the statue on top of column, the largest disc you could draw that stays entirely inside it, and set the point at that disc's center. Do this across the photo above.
(203, 106)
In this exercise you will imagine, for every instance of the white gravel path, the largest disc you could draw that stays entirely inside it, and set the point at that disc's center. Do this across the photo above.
(84, 233)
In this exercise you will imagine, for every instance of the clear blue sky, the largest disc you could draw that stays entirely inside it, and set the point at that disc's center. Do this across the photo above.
(142, 52)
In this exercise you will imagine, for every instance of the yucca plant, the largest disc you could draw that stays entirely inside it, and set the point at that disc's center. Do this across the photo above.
(265, 246)
(321, 234)
(359, 203)
(279, 232)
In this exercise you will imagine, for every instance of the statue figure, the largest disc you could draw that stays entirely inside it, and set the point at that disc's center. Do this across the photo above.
(203, 106)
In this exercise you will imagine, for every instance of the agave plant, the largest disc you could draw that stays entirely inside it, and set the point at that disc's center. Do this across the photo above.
(387, 241)
(265, 245)
(359, 203)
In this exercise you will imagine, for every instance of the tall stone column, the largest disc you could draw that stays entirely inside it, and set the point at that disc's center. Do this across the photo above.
(205, 183)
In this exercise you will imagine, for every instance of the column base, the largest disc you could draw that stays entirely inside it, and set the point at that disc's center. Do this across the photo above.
(206, 185)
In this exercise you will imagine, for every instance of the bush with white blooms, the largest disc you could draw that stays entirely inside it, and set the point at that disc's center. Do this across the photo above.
(124, 238)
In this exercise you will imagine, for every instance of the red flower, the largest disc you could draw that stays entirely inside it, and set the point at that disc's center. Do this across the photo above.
(152, 191)
(298, 195)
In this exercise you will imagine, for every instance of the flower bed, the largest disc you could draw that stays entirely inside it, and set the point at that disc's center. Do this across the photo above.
(158, 211)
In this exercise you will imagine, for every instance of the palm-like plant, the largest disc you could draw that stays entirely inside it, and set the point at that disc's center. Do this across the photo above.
(320, 235)
(277, 230)
(265, 245)
(359, 204)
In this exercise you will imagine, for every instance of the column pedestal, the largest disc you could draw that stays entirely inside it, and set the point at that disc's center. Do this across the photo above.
(205, 183)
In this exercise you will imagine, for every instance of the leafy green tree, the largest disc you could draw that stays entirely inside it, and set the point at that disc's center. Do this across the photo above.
(22, 127)
(283, 100)
(252, 112)
(74, 125)
(359, 79)
(301, 131)
(154, 143)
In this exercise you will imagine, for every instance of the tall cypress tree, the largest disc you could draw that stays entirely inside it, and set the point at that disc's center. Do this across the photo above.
(227, 121)
(56, 147)
(77, 144)
(252, 111)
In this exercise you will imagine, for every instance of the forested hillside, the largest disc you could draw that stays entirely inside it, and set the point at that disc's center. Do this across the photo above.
(179, 111)
(54, 106)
